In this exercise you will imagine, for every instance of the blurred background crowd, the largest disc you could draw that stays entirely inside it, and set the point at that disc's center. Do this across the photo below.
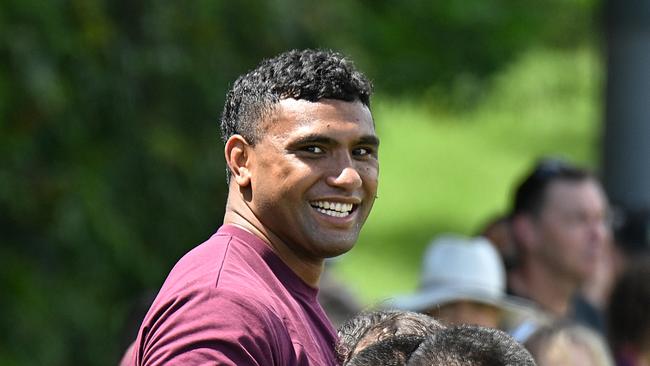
(111, 163)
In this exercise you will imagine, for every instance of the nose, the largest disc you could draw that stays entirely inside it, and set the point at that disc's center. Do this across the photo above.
(348, 179)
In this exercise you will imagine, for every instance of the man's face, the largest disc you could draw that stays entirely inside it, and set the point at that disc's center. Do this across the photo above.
(314, 175)
(571, 230)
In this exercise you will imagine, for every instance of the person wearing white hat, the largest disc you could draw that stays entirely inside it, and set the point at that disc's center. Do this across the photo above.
(462, 282)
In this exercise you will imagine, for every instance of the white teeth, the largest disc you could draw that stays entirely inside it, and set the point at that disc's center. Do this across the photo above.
(336, 209)
(333, 213)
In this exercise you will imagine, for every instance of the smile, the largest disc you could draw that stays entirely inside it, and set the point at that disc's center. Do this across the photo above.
(334, 209)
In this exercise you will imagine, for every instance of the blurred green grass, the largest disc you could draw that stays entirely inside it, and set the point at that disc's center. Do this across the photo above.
(452, 169)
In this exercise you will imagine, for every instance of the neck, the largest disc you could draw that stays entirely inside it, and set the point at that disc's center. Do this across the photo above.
(240, 215)
(534, 281)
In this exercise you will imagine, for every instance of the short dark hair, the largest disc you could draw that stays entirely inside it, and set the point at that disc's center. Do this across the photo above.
(531, 192)
(299, 74)
(470, 345)
(392, 351)
(628, 317)
(370, 327)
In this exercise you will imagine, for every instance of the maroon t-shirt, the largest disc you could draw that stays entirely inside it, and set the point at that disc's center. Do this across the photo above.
(232, 301)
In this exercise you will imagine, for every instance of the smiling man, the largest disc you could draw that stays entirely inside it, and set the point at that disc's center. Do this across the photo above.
(301, 151)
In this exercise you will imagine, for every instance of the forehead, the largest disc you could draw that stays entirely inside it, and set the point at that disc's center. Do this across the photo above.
(297, 117)
(583, 194)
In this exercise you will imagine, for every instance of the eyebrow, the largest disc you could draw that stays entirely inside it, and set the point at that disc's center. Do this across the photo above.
(314, 139)
(370, 140)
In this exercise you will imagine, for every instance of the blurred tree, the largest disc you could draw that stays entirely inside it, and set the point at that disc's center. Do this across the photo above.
(111, 162)
(411, 45)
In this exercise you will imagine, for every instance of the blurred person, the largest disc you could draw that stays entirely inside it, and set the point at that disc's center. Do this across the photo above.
(301, 151)
(597, 288)
(568, 344)
(594, 293)
(375, 326)
(470, 345)
(630, 239)
(498, 232)
(462, 282)
(559, 225)
(629, 315)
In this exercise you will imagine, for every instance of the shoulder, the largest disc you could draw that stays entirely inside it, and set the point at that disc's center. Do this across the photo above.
(213, 324)
(221, 261)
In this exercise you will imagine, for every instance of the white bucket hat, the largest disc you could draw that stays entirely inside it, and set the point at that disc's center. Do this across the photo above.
(458, 268)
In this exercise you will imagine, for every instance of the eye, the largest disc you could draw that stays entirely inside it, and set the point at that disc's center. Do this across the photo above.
(313, 149)
(362, 151)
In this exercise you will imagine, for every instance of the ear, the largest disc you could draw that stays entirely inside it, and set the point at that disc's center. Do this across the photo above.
(524, 231)
(237, 152)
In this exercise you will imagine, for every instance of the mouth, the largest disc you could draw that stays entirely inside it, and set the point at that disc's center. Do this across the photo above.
(334, 209)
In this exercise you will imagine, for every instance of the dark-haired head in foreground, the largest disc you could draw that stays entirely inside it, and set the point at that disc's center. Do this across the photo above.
(394, 350)
(373, 328)
(470, 345)
(402, 338)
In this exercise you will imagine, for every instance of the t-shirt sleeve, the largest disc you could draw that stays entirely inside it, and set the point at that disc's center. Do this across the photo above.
(211, 327)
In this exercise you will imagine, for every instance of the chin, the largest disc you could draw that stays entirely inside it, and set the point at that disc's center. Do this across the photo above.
(334, 249)
(340, 251)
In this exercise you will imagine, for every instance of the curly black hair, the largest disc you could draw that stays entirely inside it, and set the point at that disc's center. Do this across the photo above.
(299, 74)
